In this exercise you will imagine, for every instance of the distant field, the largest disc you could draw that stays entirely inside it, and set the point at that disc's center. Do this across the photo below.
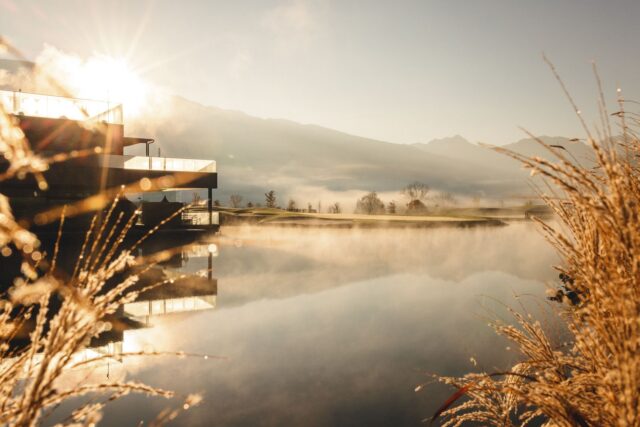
(450, 217)
(512, 212)
(360, 217)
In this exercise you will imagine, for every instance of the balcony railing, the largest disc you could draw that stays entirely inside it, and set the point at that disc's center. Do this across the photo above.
(56, 107)
(142, 309)
(168, 164)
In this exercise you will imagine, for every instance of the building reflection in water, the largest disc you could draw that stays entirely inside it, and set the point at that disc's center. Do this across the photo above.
(147, 309)
(193, 293)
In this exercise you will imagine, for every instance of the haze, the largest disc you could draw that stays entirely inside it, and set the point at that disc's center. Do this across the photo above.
(403, 72)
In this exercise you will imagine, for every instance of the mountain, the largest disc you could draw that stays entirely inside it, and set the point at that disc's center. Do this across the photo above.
(459, 149)
(255, 155)
(578, 151)
(313, 163)
(9, 68)
(14, 65)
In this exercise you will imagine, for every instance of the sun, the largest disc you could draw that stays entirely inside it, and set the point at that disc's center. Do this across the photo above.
(112, 80)
(99, 77)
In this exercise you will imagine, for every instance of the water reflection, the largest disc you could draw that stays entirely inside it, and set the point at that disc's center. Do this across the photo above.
(147, 309)
(183, 294)
(330, 327)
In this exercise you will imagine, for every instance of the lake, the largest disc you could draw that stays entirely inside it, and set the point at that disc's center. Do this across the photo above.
(331, 326)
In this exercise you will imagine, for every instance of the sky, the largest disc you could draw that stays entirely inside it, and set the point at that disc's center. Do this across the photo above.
(400, 71)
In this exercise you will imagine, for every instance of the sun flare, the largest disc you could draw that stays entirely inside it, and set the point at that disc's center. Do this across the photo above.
(112, 80)
(99, 77)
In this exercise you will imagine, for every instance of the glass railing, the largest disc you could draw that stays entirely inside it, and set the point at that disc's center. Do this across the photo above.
(139, 309)
(56, 107)
(168, 164)
(201, 218)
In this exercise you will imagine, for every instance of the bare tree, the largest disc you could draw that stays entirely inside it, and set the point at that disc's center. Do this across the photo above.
(291, 206)
(416, 191)
(235, 200)
(249, 205)
(216, 203)
(445, 200)
(335, 208)
(270, 199)
(391, 207)
(370, 204)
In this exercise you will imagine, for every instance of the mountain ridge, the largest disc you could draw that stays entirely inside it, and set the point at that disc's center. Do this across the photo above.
(305, 160)
(255, 155)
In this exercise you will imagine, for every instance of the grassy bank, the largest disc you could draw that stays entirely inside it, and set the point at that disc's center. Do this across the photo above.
(457, 217)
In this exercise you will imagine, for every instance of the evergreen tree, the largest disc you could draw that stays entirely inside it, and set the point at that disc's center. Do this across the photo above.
(270, 199)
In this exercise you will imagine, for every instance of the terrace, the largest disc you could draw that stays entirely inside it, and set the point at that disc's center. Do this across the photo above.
(60, 107)
(58, 125)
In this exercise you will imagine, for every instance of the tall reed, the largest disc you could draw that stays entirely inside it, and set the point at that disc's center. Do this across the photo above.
(594, 380)
(61, 312)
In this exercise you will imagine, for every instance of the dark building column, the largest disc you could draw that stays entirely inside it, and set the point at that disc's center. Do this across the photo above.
(210, 270)
(210, 205)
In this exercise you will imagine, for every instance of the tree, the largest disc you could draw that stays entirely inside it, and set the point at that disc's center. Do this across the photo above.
(391, 208)
(370, 204)
(416, 207)
(249, 205)
(291, 206)
(216, 203)
(416, 191)
(335, 208)
(270, 199)
(445, 200)
(235, 200)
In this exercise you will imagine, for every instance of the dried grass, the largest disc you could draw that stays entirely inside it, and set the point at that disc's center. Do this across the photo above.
(595, 380)
(62, 313)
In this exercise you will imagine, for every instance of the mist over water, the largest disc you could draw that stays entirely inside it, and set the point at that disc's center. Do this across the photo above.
(337, 327)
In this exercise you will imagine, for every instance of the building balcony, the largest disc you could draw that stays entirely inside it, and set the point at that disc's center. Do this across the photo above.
(91, 174)
(57, 107)
(167, 164)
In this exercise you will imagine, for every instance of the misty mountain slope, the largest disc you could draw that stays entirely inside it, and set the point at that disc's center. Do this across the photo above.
(13, 66)
(577, 151)
(458, 148)
(255, 155)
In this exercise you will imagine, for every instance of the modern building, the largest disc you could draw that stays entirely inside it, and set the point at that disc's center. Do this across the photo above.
(91, 138)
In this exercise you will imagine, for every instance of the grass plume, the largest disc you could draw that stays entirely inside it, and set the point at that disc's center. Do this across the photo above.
(595, 380)
(62, 313)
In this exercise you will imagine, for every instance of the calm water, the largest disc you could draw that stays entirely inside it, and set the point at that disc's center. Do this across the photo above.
(332, 327)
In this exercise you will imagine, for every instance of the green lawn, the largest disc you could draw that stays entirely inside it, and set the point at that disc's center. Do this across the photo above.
(279, 216)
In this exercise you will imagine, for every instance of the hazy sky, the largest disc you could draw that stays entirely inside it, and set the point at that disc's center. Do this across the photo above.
(401, 71)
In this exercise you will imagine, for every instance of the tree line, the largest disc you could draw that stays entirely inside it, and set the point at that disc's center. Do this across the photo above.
(415, 199)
